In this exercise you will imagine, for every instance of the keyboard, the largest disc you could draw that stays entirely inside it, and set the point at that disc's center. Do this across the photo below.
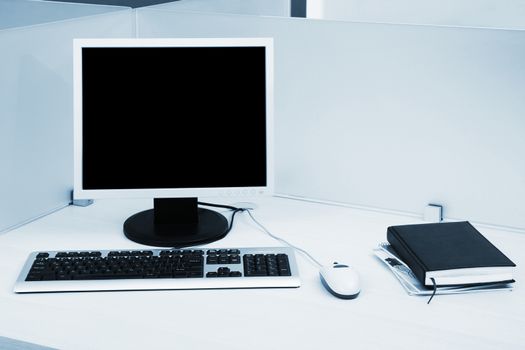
(157, 269)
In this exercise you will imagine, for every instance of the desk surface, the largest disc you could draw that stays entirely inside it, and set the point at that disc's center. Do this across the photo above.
(383, 316)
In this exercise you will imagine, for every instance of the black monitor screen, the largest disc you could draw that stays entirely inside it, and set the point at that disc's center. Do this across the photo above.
(173, 117)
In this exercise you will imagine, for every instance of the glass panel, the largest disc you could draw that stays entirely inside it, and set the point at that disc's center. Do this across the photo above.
(36, 113)
(20, 13)
(469, 13)
(242, 7)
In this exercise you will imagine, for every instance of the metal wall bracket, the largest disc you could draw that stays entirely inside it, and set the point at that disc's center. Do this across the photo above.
(433, 213)
(80, 202)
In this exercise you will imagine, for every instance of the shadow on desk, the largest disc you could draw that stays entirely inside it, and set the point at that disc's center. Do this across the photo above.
(12, 344)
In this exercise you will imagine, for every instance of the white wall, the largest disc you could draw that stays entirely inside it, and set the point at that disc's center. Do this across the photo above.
(472, 13)
(389, 116)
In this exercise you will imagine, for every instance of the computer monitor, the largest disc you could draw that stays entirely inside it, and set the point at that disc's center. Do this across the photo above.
(172, 120)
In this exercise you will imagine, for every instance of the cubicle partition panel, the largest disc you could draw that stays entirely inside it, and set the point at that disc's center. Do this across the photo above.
(22, 13)
(282, 8)
(36, 100)
(389, 116)
(508, 14)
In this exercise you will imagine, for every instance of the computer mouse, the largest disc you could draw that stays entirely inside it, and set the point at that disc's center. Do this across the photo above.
(340, 280)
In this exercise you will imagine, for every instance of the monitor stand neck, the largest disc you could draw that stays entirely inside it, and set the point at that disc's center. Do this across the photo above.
(176, 222)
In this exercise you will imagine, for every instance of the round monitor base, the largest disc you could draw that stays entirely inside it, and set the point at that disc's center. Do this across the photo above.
(141, 228)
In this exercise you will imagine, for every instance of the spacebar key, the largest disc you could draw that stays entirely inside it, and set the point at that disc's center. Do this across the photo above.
(101, 276)
(249, 273)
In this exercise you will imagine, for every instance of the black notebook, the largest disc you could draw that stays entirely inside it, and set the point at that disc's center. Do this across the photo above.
(452, 253)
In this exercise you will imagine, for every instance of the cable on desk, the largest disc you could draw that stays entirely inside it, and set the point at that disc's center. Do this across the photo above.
(435, 289)
(261, 226)
(219, 205)
(235, 211)
(265, 230)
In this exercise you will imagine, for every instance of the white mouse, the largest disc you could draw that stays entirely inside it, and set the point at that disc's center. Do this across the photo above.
(340, 280)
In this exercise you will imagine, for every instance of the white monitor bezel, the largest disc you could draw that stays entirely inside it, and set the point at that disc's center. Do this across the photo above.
(81, 193)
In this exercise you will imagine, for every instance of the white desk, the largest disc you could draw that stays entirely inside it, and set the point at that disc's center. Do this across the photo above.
(382, 317)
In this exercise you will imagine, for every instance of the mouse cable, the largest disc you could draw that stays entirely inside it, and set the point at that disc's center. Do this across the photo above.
(235, 211)
(261, 226)
(265, 230)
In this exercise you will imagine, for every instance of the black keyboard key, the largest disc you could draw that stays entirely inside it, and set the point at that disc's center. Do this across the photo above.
(284, 272)
(34, 277)
(255, 273)
(223, 272)
(212, 259)
(235, 259)
(284, 265)
(49, 276)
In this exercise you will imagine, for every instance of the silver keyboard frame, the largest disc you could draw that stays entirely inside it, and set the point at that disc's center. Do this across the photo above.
(293, 281)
